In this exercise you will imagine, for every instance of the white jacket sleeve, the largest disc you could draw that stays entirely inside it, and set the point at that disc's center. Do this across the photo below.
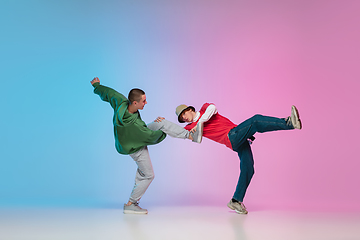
(209, 112)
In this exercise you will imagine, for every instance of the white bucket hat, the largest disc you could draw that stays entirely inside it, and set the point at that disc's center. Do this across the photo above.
(180, 109)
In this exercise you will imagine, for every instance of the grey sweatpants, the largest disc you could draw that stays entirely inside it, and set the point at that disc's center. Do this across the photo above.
(145, 172)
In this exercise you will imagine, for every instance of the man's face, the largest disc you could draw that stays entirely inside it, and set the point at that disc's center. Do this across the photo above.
(141, 104)
(187, 116)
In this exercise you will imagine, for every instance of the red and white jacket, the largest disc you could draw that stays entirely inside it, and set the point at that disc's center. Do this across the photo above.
(216, 126)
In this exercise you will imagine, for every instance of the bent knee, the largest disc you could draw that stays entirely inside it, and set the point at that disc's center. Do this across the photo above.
(257, 116)
(151, 177)
(148, 176)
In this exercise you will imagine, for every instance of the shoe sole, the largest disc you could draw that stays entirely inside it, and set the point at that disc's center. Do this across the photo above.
(241, 212)
(297, 116)
(134, 212)
(200, 129)
(201, 126)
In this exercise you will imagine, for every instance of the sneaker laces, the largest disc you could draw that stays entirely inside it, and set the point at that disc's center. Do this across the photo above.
(242, 205)
(136, 204)
(288, 121)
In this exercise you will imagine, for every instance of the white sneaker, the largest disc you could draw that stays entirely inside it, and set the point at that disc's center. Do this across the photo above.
(239, 207)
(295, 118)
(134, 209)
(197, 135)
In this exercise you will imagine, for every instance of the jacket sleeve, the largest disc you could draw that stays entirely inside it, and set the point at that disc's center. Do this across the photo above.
(109, 95)
(209, 112)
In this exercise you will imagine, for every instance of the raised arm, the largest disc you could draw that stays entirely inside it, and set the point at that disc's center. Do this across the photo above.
(108, 94)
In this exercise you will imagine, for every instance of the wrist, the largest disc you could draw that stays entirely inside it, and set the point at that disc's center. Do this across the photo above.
(95, 84)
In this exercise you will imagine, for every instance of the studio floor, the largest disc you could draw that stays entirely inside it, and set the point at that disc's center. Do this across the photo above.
(186, 222)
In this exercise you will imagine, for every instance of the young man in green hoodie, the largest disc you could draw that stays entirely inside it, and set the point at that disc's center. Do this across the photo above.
(132, 136)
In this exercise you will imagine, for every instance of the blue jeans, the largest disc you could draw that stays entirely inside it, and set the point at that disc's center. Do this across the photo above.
(238, 137)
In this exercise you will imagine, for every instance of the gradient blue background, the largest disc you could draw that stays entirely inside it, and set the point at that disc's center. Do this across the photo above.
(247, 57)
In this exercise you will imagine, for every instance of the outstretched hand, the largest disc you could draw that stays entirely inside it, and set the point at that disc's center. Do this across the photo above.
(95, 80)
(193, 129)
(159, 119)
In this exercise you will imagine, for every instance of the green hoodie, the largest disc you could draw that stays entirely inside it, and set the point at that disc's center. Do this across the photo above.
(131, 133)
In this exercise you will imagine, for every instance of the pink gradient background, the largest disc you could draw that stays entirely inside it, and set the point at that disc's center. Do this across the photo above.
(247, 57)
(262, 57)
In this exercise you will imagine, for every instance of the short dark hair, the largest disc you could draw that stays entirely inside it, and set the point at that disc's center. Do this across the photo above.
(186, 110)
(135, 95)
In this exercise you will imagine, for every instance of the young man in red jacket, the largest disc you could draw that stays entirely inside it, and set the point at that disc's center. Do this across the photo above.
(210, 124)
